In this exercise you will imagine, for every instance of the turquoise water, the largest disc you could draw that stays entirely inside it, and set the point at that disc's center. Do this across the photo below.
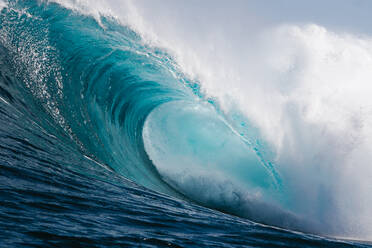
(105, 141)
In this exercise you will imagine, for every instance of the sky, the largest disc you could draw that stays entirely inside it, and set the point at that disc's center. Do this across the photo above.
(352, 15)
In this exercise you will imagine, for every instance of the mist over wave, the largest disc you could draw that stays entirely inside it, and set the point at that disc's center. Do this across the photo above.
(264, 119)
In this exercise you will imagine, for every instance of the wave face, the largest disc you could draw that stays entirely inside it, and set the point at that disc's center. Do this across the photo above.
(94, 106)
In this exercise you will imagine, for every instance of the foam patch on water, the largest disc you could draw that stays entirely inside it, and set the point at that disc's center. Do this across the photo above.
(2, 4)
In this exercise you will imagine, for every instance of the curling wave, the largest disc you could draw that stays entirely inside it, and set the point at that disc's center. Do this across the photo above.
(129, 105)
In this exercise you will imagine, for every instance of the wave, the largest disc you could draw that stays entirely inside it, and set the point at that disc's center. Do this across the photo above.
(279, 136)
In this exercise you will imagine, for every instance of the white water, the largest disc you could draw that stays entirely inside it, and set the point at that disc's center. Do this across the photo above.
(301, 75)
(2, 4)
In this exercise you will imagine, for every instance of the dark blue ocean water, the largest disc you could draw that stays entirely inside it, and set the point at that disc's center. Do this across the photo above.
(74, 172)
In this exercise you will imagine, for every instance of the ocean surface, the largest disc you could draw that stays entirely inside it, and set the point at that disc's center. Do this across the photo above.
(107, 141)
